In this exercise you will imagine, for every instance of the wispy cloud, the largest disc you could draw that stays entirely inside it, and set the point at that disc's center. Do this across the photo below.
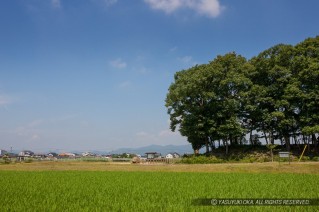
(118, 63)
(63, 118)
(105, 3)
(167, 6)
(56, 4)
(30, 131)
(35, 123)
(173, 49)
(110, 2)
(125, 84)
(4, 100)
(187, 60)
(210, 8)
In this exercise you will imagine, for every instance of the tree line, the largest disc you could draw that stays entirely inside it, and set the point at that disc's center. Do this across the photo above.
(274, 96)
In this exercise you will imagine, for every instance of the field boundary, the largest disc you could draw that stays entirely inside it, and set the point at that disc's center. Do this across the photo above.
(269, 167)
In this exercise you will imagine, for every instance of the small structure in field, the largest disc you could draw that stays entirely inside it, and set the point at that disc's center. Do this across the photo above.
(136, 159)
(67, 155)
(152, 155)
(88, 154)
(25, 154)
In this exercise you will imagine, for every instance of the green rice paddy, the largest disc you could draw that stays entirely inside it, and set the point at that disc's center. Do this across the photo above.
(148, 191)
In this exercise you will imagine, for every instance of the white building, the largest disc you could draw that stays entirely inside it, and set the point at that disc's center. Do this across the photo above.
(26, 153)
(3, 152)
(172, 155)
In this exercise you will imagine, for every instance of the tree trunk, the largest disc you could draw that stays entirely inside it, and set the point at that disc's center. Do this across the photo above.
(196, 151)
(272, 140)
(250, 137)
(314, 141)
(287, 141)
(207, 146)
(226, 147)
(266, 138)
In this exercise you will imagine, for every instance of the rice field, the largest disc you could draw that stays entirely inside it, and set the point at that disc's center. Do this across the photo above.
(148, 191)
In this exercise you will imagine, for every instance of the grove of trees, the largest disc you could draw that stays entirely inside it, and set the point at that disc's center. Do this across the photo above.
(274, 95)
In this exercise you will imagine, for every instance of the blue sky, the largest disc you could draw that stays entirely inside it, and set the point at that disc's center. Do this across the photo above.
(93, 74)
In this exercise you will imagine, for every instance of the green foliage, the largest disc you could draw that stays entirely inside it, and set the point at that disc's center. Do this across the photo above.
(28, 160)
(276, 93)
(201, 160)
(147, 191)
(6, 159)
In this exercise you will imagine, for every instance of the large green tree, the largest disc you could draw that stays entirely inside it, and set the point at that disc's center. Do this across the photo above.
(305, 68)
(276, 93)
(206, 101)
(270, 111)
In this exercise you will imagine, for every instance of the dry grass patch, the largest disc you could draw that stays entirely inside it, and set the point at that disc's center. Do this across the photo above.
(275, 167)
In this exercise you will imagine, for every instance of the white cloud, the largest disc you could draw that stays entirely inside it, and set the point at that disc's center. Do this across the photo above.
(35, 137)
(35, 123)
(143, 71)
(125, 84)
(187, 61)
(118, 63)
(167, 6)
(4, 100)
(56, 4)
(110, 2)
(173, 49)
(210, 8)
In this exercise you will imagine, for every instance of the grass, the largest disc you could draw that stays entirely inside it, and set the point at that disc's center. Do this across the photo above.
(275, 167)
(88, 186)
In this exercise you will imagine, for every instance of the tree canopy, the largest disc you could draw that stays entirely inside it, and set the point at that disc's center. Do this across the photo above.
(275, 93)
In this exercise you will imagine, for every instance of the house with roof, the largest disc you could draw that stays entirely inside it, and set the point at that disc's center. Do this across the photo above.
(67, 155)
(26, 153)
(172, 155)
(152, 155)
(88, 154)
(52, 155)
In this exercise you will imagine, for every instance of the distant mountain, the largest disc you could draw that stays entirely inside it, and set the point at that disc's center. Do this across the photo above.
(181, 149)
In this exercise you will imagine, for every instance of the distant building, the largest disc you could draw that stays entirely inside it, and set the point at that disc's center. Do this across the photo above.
(67, 155)
(152, 155)
(39, 155)
(52, 154)
(172, 155)
(3, 152)
(26, 153)
(88, 154)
